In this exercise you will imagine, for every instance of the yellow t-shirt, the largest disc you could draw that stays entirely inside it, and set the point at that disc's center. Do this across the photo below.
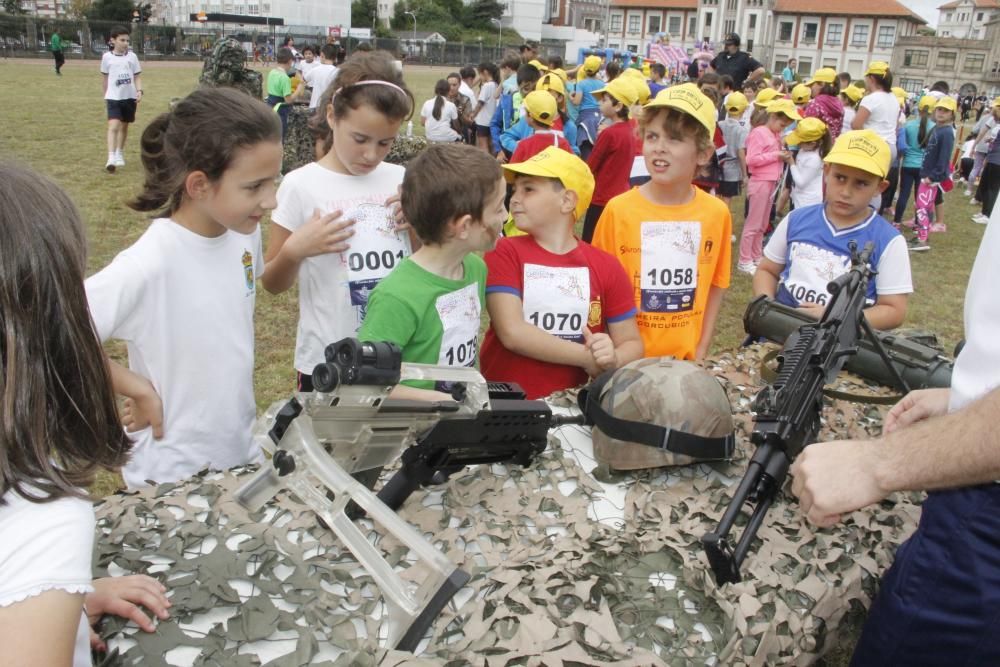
(673, 255)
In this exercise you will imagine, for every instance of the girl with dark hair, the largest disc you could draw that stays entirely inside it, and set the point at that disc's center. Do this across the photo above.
(183, 295)
(825, 103)
(332, 230)
(60, 426)
(439, 116)
(486, 104)
(918, 132)
(879, 111)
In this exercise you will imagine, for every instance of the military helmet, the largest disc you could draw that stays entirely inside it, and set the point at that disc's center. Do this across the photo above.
(658, 412)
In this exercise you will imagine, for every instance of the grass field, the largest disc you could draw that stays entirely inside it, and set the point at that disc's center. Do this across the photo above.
(56, 125)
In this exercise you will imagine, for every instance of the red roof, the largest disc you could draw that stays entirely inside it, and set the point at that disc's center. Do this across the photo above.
(887, 8)
(657, 4)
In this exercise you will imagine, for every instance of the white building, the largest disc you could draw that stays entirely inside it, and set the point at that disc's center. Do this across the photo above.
(843, 34)
(306, 13)
(966, 19)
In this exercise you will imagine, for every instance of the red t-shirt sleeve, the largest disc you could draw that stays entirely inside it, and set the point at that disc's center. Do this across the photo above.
(503, 269)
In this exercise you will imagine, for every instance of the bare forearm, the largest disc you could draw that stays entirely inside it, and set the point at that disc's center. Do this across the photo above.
(957, 449)
(764, 283)
(885, 317)
(629, 351)
(280, 271)
(708, 323)
(126, 382)
(530, 341)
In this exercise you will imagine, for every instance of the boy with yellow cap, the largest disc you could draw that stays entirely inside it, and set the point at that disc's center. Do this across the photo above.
(801, 96)
(540, 112)
(560, 309)
(810, 247)
(612, 157)
(673, 238)
(734, 128)
(850, 97)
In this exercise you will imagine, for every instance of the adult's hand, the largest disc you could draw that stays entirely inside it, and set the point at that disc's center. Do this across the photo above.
(831, 479)
(917, 406)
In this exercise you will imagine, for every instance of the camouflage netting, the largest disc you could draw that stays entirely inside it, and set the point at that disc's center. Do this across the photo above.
(226, 66)
(566, 569)
(300, 149)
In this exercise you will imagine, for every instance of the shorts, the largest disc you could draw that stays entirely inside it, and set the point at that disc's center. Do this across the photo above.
(728, 189)
(123, 110)
(483, 131)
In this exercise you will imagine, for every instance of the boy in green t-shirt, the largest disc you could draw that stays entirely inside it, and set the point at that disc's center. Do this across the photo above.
(431, 303)
(279, 86)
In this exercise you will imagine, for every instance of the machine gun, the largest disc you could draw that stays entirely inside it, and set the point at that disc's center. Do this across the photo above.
(788, 411)
(328, 447)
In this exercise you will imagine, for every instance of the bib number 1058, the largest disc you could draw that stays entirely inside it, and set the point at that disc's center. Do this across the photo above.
(671, 278)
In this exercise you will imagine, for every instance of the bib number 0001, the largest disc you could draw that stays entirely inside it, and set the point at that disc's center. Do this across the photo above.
(374, 260)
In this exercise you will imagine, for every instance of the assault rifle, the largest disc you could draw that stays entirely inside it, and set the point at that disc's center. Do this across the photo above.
(788, 411)
(329, 446)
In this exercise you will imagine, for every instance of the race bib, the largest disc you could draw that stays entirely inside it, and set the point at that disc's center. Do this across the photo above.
(810, 269)
(669, 266)
(459, 312)
(376, 249)
(557, 299)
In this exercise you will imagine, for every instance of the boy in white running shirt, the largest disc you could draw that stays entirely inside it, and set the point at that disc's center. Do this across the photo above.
(122, 93)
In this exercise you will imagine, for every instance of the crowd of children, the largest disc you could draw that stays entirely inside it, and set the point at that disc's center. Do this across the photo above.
(646, 277)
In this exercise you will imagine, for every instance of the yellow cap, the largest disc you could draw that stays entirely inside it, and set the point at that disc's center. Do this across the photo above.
(592, 64)
(878, 68)
(996, 102)
(801, 94)
(928, 102)
(765, 97)
(537, 64)
(552, 82)
(554, 162)
(638, 81)
(737, 101)
(854, 93)
(561, 73)
(784, 106)
(900, 94)
(806, 131)
(645, 68)
(687, 98)
(948, 103)
(824, 75)
(620, 89)
(861, 149)
(541, 106)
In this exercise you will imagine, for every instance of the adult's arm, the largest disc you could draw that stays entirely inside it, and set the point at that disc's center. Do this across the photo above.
(945, 451)
(860, 118)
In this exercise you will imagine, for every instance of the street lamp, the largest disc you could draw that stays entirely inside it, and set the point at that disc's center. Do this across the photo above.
(414, 17)
(499, 30)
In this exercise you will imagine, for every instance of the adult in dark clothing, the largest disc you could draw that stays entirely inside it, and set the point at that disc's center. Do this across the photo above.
(738, 64)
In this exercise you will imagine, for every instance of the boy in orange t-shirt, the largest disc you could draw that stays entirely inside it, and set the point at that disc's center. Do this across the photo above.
(672, 238)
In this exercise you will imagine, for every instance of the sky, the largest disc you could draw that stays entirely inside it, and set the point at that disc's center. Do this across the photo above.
(926, 8)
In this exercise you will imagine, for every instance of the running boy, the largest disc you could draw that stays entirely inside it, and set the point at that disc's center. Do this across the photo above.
(809, 248)
(560, 309)
(431, 303)
(122, 93)
(672, 238)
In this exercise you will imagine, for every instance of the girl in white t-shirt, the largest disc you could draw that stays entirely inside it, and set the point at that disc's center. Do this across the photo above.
(486, 104)
(333, 229)
(60, 426)
(183, 295)
(879, 109)
(439, 116)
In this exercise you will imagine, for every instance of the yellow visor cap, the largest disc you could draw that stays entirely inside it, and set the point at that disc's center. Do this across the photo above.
(554, 162)
(541, 106)
(687, 98)
(806, 131)
(861, 149)
(784, 106)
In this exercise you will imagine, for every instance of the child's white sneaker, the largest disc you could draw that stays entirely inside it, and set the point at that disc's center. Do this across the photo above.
(747, 267)
(110, 166)
(119, 159)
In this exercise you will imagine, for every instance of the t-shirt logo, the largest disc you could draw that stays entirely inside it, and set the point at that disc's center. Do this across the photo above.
(595, 314)
(248, 269)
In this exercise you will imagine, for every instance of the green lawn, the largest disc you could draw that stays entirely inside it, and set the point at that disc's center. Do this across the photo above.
(57, 126)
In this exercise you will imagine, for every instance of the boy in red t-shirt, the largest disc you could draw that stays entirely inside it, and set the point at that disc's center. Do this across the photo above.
(560, 310)
(611, 159)
(542, 111)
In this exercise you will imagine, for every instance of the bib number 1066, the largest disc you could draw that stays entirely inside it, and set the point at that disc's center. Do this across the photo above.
(374, 260)
(671, 278)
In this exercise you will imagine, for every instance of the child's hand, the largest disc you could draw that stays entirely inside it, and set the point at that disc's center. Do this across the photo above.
(143, 410)
(121, 596)
(321, 235)
(786, 157)
(395, 203)
(502, 157)
(813, 310)
(601, 348)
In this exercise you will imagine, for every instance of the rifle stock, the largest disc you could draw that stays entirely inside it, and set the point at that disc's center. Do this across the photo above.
(788, 411)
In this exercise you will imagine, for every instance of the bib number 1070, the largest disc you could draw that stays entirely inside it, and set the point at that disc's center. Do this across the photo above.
(374, 260)
(557, 321)
(671, 278)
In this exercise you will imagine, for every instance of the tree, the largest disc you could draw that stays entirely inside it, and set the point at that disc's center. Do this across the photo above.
(364, 13)
(12, 6)
(79, 9)
(479, 13)
(111, 10)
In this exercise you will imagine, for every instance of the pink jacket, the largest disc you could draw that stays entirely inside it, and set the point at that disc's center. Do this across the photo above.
(828, 109)
(763, 147)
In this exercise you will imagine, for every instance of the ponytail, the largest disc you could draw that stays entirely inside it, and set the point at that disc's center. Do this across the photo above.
(441, 89)
(922, 134)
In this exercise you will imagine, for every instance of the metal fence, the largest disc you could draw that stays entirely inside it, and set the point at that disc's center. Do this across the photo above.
(28, 36)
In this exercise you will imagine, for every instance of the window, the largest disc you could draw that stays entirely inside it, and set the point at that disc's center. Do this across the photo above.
(948, 17)
(886, 36)
(785, 31)
(830, 62)
(633, 23)
(674, 25)
(553, 8)
(692, 26)
(946, 60)
(979, 16)
(267, 8)
(911, 85)
(974, 62)
(253, 10)
(654, 24)
(616, 22)
(809, 32)
(729, 27)
(834, 33)
(708, 20)
(634, 48)
(752, 21)
(914, 58)
(805, 67)
(856, 68)
(860, 35)
(588, 24)
(731, 5)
